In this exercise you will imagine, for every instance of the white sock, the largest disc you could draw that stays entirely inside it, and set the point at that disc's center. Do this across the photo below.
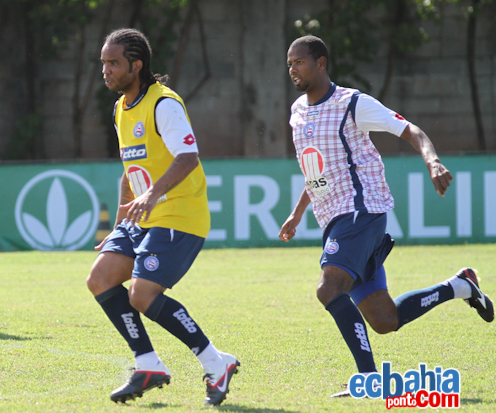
(210, 358)
(461, 287)
(147, 361)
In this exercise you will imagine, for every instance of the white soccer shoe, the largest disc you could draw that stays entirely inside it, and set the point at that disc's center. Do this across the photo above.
(218, 380)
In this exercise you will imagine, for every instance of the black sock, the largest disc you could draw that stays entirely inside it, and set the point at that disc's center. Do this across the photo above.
(414, 304)
(352, 326)
(127, 320)
(172, 316)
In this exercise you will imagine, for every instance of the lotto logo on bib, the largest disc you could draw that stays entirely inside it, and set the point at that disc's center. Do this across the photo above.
(313, 165)
(437, 389)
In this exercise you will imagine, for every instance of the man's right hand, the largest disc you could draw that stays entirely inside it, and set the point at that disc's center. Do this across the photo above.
(100, 246)
(288, 229)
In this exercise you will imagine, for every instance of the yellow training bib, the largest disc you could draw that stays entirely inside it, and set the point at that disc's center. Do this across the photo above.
(146, 159)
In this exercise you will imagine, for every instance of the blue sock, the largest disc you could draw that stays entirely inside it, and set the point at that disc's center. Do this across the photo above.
(127, 320)
(352, 326)
(172, 316)
(416, 303)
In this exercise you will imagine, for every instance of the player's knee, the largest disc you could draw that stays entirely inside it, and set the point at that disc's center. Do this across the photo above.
(326, 293)
(138, 300)
(93, 282)
(384, 325)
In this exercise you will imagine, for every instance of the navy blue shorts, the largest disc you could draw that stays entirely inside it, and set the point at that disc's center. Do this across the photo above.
(161, 255)
(359, 244)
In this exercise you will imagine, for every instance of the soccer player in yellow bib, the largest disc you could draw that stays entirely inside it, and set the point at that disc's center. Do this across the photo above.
(161, 224)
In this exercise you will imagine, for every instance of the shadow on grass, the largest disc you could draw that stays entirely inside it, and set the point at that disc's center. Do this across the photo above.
(16, 338)
(223, 408)
(236, 408)
(474, 401)
(154, 406)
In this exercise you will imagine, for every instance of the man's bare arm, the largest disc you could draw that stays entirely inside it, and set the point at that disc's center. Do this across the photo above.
(439, 174)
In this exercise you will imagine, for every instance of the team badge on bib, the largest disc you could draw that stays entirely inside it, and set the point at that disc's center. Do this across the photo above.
(151, 263)
(309, 129)
(139, 130)
(331, 247)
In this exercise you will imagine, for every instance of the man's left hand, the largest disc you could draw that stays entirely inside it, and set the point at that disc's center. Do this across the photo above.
(441, 177)
(140, 207)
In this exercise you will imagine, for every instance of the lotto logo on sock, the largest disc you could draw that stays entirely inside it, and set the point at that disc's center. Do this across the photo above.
(130, 325)
(420, 388)
(427, 301)
(186, 321)
(360, 333)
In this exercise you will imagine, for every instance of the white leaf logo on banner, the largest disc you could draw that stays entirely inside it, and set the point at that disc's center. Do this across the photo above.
(58, 233)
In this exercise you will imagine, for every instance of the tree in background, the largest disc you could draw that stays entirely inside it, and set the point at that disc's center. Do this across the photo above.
(349, 31)
(403, 31)
(51, 28)
(354, 30)
(473, 12)
(47, 28)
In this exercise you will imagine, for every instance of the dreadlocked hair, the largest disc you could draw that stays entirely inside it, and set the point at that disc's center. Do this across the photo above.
(137, 47)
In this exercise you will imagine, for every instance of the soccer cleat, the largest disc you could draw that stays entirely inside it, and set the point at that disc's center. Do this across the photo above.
(481, 302)
(344, 393)
(347, 393)
(218, 381)
(140, 382)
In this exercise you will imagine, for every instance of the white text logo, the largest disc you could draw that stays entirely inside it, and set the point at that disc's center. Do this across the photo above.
(427, 301)
(362, 336)
(186, 321)
(131, 327)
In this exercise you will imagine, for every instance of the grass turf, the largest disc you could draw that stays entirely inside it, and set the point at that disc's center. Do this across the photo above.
(59, 353)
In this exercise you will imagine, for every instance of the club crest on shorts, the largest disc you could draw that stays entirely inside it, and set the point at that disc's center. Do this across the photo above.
(331, 247)
(139, 130)
(151, 263)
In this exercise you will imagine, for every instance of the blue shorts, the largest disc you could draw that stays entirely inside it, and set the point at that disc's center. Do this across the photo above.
(359, 245)
(161, 255)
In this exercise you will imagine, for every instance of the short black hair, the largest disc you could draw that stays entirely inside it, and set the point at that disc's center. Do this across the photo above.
(136, 47)
(316, 46)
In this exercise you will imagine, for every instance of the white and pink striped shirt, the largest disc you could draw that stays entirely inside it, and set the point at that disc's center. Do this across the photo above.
(343, 170)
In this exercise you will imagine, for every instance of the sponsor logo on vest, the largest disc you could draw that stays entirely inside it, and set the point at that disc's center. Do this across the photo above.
(57, 210)
(139, 178)
(131, 327)
(186, 321)
(313, 165)
(132, 153)
(427, 301)
(139, 130)
(362, 336)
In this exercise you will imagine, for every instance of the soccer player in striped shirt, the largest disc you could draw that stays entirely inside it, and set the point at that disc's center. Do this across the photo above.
(346, 185)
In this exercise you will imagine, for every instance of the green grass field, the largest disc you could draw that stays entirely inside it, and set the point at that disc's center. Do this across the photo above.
(59, 353)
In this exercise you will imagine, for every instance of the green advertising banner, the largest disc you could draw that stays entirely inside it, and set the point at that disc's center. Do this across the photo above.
(71, 206)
